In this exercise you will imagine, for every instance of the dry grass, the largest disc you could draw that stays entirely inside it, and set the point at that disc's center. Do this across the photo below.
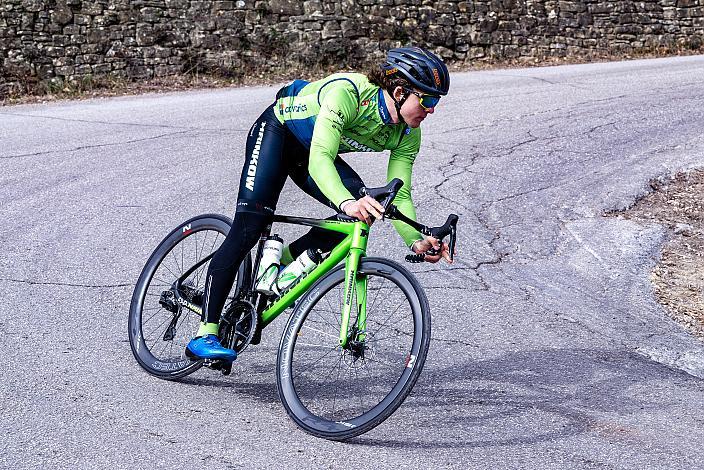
(678, 278)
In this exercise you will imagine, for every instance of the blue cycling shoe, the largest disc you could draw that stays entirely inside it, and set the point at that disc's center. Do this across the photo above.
(209, 347)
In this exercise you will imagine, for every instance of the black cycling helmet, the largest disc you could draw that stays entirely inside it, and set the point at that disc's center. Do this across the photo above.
(422, 68)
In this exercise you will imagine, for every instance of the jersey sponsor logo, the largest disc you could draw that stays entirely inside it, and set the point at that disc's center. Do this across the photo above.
(295, 108)
(356, 145)
(365, 103)
(252, 169)
(339, 114)
(384, 114)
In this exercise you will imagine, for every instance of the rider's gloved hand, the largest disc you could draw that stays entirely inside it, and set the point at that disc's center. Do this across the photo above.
(422, 246)
(363, 208)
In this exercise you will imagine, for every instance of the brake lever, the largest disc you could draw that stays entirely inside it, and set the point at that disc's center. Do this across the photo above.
(448, 228)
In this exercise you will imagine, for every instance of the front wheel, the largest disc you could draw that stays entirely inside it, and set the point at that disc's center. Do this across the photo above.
(338, 393)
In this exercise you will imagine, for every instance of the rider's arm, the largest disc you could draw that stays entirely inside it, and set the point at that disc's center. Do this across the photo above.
(401, 166)
(338, 109)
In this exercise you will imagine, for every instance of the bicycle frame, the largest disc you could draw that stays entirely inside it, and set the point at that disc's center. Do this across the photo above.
(350, 249)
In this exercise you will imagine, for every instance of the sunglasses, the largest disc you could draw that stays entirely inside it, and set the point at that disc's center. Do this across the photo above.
(426, 101)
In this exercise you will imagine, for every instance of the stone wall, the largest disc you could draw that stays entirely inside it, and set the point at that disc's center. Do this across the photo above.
(45, 40)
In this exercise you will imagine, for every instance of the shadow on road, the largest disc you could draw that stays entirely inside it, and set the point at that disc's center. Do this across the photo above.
(530, 397)
(520, 398)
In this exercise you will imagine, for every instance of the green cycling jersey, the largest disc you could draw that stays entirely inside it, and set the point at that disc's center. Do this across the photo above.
(346, 113)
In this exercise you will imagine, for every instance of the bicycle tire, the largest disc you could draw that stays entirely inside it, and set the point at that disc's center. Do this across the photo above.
(291, 389)
(197, 229)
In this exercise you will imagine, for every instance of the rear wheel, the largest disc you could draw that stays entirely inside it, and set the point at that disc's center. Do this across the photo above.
(338, 393)
(160, 327)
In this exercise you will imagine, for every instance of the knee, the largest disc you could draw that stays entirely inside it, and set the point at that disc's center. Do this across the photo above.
(248, 227)
(244, 233)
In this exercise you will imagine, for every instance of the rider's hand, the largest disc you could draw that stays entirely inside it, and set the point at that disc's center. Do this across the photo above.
(422, 246)
(363, 208)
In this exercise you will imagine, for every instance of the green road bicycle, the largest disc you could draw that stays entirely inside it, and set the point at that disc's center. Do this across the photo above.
(354, 344)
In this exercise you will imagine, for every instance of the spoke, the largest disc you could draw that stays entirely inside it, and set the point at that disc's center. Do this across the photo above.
(173, 255)
(316, 345)
(356, 375)
(334, 397)
(378, 290)
(321, 332)
(164, 284)
(158, 327)
(153, 308)
(314, 363)
(324, 320)
(386, 321)
(164, 345)
(153, 315)
(337, 314)
(199, 275)
(153, 295)
(212, 247)
(171, 348)
(385, 338)
(205, 241)
(163, 265)
(322, 384)
(398, 335)
(182, 320)
(383, 363)
(332, 308)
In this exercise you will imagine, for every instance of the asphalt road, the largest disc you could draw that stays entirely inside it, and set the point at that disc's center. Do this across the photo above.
(549, 350)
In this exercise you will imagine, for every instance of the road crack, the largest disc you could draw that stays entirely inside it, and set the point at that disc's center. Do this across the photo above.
(84, 147)
(65, 284)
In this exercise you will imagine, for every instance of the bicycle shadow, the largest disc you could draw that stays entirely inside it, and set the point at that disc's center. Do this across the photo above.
(526, 398)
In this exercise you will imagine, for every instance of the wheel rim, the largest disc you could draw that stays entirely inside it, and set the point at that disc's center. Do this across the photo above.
(335, 389)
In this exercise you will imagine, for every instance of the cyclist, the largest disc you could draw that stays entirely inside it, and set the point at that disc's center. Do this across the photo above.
(300, 136)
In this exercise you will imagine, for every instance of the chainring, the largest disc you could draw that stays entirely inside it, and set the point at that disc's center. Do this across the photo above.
(238, 325)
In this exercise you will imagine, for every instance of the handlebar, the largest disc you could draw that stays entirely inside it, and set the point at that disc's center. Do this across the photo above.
(386, 194)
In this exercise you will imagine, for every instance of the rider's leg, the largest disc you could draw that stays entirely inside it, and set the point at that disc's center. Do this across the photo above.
(318, 238)
(262, 180)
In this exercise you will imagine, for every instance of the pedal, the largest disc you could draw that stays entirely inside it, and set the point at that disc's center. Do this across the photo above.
(215, 364)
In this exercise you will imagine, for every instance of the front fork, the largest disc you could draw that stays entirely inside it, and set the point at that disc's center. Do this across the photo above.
(355, 283)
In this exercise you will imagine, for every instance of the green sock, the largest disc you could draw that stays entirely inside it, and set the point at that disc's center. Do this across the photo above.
(207, 329)
(286, 257)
